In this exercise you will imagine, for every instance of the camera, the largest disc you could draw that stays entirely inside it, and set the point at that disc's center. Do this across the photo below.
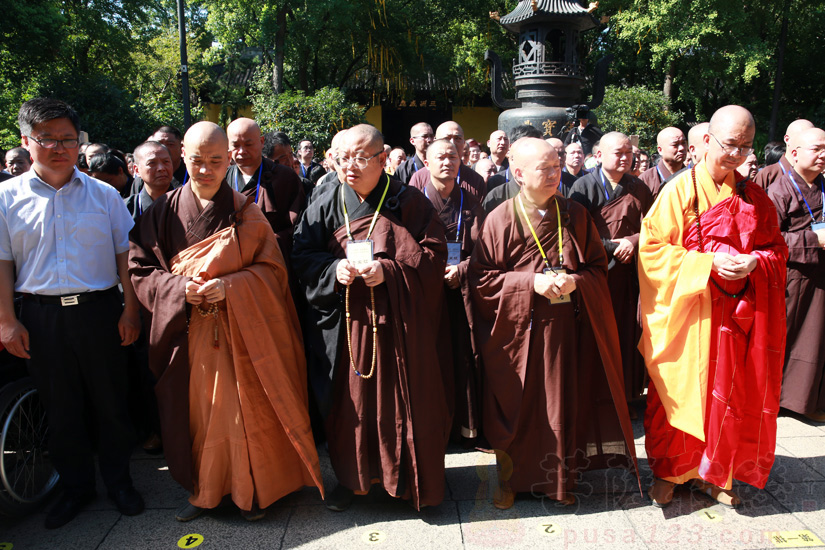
(576, 112)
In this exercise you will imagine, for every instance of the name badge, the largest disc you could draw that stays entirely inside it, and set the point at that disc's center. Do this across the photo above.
(359, 253)
(816, 226)
(561, 299)
(453, 252)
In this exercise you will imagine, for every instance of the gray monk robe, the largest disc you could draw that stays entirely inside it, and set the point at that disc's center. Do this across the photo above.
(553, 396)
(392, 428)
(803, 383)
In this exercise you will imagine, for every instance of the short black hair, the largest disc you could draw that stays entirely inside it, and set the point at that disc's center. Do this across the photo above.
(523, 130)
(273, 139)
(108, 163)
(774, 151)
(169, 130)
(43, 109)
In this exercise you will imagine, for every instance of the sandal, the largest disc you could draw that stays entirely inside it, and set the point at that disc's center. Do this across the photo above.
(725, 497)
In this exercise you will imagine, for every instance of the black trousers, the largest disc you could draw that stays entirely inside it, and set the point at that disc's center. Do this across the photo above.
(79, 368)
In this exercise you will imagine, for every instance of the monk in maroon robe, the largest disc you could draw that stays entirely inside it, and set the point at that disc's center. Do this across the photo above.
(371, 253)
(672, 147)
(798, 198)
(462, 216)
(225, 343)
(467, 178)
(617, 202)
(554, 401)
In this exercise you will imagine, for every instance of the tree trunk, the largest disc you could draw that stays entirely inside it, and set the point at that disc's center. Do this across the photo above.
(280, 44)
(667, 90)
(777, 82)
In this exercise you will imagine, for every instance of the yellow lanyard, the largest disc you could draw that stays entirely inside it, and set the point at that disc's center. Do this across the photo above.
(535, 237)
(375, 216)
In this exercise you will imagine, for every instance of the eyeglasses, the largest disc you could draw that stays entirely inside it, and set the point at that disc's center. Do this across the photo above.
(359, 162)
(48, 143)
(425, 136)
(732, 150)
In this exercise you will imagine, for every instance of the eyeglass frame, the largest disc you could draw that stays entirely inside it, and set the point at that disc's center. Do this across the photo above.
(56, 142)
(740, 151)
(355, 160)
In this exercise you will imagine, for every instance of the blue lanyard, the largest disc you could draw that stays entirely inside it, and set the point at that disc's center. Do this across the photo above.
(303, 170)
(507, 176)
(604, 184)
(822, 190)
(139, 206)
(258, 188)
(460, 211)
(661, 176)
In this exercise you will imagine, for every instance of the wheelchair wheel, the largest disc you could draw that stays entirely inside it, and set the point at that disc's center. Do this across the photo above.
(27, 478)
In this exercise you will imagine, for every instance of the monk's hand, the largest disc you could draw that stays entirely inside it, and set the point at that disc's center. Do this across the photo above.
(213, 291)
(451, 276)
(564, 284)
(345, 272)
(372, 273)
(623, 252)
(129, 326)
(543, 285)
(192, 296)
(726, 266)
(15, 337)
(741, 265)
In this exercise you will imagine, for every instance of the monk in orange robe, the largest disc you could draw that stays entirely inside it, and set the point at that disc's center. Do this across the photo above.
(225, 342)
(712, 278)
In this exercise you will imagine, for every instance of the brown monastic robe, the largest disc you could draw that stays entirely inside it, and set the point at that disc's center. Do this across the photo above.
(392, 428)
(553, 395)
(260, 325)
(769, 174)
(803, 383)
(466, 378)
(469, 180)
(655, 176)
(620, 217)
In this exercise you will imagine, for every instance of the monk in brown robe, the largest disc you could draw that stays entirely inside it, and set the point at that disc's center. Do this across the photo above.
(773, 172)
(798, 198)
(617, 202)
(672, 148)
(554, 400)
(370, 253)
(462, 216)
(277, 189)
(468, 179)
(225, 344)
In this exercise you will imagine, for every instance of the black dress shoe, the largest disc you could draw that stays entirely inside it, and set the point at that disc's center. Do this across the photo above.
(128, 501)
(340, 499)
(66, 509)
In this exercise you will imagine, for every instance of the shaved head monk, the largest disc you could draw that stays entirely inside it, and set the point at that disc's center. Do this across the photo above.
(462, 216)
(467, 179)
(552, 394)
(421, 135)
(696, 143)
(798, 200)
(672, 148)
(275, 188)
(225, 343)
(773, 172)
(712, 278)
(617, 202)
(370, 253)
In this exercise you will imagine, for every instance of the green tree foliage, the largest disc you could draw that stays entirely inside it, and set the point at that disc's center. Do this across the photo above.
(636, 110)
(316, 117)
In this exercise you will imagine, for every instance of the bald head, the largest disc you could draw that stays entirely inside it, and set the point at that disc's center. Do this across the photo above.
(807, 153)
(797, 127)
(205, 152)
(485, 168)
(452, 132)
(729, 141)
(365, 133)
(526, 149)
(535, 165)
(558, 145)
(615, 154)
(245, 144)
(672, 147)
(696, 141)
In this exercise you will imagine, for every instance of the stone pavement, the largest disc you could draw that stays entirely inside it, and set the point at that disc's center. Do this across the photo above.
(610, 513)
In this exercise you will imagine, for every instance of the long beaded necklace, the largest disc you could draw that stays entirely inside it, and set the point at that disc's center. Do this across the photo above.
(701, 244)
(212, 311)
(372, 291)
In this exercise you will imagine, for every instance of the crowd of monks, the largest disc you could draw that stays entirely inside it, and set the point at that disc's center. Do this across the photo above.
(523, 310)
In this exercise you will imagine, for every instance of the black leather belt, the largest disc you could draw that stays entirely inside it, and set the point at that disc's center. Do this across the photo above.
(69, 299)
